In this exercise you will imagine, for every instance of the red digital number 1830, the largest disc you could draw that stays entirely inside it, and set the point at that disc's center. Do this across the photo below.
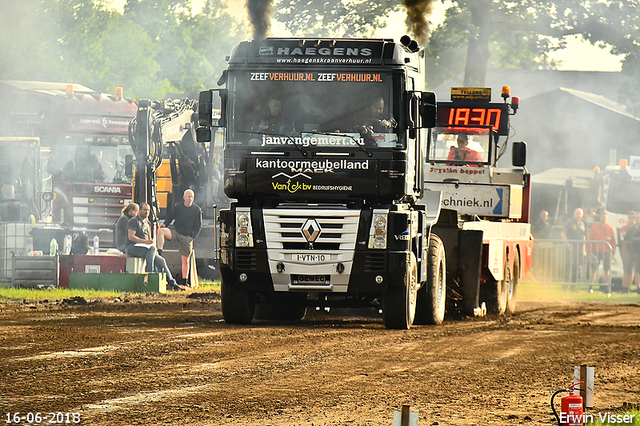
(475, 117)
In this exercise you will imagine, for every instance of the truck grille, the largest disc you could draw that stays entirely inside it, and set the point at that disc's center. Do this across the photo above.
(246, 260)
(338, 229)
(374, 262)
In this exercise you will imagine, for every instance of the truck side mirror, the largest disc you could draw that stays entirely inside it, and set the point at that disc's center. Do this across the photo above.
(519, 154)
(203, 134)
(208, 116)
(428, 110)
(205, 109)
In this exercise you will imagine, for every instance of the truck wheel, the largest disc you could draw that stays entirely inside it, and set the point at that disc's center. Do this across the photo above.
(238, 304)
(513, 286)
(432, 295)
(399, 301)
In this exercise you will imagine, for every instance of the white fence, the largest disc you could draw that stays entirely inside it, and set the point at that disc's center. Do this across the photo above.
(572, 262)
(15, 240)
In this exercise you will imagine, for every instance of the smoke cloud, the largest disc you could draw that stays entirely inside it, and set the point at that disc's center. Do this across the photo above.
(260, 12)
(417, 12)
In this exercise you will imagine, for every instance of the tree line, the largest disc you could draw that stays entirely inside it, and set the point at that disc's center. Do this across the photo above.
(155, 48)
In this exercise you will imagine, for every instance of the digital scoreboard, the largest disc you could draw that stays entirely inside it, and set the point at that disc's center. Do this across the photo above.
(474, 114)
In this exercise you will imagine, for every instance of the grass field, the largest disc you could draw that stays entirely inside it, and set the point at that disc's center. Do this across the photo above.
(36, 295)
(537, 291)
(526, 291)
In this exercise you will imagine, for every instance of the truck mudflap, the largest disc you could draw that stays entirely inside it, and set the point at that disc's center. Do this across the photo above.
(470, 268)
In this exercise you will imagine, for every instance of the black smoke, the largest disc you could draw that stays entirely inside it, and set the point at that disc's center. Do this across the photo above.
(417, 12)
(260, 12)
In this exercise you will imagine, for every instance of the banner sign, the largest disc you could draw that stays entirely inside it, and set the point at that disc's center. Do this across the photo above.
(300, 176)
(326, 77)
(470, 199)
(98, 124)
(281, 51)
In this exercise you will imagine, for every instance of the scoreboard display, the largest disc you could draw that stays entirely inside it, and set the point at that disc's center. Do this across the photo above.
(475, 114)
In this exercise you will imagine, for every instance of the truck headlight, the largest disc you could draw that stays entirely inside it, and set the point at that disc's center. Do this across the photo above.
(378, 232)
(244, 230)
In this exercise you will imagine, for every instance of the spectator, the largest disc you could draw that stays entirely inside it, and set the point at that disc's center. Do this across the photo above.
(599, 252)
(140, 244)
(187, 221)
(630, 250)
(121, 234)
(574, 231)
(541, 228)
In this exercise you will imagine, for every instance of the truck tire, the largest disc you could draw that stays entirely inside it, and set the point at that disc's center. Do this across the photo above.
(399, 301)
(238, 304)
(432, 295)
(513, 286)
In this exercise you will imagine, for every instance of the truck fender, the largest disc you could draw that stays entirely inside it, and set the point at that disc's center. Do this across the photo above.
(433, 201)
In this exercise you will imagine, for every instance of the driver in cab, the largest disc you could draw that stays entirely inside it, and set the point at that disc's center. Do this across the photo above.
(463, 152)
(373, 117)
(273, 120)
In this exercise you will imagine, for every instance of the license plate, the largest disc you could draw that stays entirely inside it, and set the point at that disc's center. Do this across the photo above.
(308, 257)
(311, 279)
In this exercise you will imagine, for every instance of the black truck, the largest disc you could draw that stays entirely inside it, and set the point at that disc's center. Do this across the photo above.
(324, 163)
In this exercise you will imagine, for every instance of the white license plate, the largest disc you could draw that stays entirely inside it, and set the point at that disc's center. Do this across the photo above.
(311, 258)
(311, 279)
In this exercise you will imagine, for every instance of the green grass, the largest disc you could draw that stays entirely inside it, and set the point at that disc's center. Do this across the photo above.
(556, 292)
(209, 285)
(635, 413)
(36, 295)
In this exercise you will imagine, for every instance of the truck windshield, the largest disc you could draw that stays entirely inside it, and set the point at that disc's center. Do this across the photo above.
(93, 163)
(327, 110)
(460, 145)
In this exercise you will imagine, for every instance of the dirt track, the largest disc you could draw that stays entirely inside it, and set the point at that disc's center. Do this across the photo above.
(172, 360)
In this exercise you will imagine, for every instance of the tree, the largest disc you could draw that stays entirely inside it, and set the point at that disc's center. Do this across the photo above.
(335, 18)
(103, 50)
(191, 48)
(154, 48)
(486, 33)
(523, 33)
(26, 52)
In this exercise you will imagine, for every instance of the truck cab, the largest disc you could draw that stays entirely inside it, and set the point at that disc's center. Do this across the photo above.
(323, 161)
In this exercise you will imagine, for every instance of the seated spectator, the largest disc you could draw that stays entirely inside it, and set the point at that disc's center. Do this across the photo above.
(120, 235)
(140, 244)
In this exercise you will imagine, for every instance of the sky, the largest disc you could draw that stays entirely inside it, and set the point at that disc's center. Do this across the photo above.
(578, 56)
